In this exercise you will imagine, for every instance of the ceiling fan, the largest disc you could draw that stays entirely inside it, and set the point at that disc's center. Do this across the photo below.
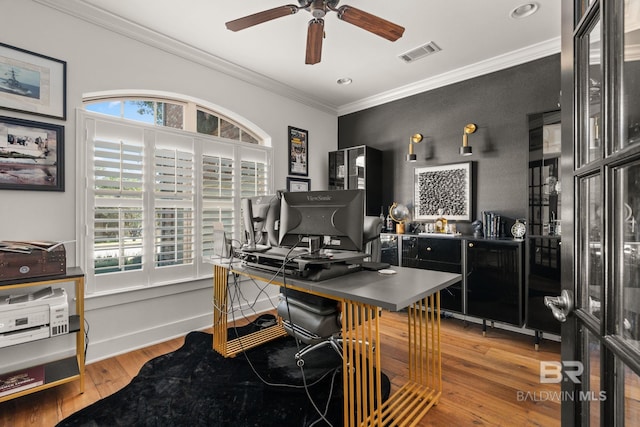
(315, 32)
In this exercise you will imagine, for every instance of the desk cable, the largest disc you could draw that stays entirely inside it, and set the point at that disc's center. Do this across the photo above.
(304, 379)
(236, 294)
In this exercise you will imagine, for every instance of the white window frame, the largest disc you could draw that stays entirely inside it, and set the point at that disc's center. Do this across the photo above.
(200, 144)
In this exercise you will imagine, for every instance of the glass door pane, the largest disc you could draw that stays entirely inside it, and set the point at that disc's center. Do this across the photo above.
(356, 168)
(627, 264)
(631, 396)
(592, 392)
(590, 245)
(582, 7)
(630, 108)
(337, 170)
(590, 147)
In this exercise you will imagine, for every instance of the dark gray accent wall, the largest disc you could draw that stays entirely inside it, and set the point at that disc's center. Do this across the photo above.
(498, 103)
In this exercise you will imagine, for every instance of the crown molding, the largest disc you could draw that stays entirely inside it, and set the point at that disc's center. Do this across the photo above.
(490, 65)
(117, 24)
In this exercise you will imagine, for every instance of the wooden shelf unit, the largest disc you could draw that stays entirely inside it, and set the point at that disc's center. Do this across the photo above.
(63, 370)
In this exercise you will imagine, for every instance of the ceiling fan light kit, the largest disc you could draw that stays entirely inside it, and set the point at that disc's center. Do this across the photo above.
(315, 33)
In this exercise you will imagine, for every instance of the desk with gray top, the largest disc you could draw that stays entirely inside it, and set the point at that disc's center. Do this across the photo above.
(362, 294)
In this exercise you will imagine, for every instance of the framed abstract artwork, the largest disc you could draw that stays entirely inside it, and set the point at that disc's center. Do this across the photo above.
(443, 188)
(32, 83)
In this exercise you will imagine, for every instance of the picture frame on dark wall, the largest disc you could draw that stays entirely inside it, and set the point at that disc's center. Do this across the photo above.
(298, 151)
(32, 83)
(298, 184)
(31, 155)
(444, 187)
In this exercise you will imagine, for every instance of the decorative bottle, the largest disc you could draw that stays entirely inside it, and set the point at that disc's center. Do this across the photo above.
(384, 223)
(441, 222)
(390, 227)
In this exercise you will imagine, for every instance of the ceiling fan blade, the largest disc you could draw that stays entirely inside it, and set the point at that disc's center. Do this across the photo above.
(260, 17)
(371, 23)
(315, 34)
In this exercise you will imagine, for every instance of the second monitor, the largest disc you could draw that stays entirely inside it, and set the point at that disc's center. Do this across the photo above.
(260, 215)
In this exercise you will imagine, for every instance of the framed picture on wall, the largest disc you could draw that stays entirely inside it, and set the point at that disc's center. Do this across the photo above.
(32, 83)
(446, 188)
(298, 184)
(298, 152)
(31, 155)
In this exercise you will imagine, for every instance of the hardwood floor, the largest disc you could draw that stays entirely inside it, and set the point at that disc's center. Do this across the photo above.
(487, 381)
(483, 377)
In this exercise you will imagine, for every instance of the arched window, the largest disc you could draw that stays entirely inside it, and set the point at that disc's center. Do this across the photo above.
(173, 113)
(162, 174)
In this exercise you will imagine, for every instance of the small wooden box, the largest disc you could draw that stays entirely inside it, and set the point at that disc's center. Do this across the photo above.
(20, 260)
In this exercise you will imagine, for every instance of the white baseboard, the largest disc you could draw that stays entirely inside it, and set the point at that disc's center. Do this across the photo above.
(138, 339)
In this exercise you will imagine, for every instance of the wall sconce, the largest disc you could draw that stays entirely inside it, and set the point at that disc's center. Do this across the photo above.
(465, 150)
(415, 139)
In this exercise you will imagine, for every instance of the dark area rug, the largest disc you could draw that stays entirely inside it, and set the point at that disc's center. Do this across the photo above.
(195, 386)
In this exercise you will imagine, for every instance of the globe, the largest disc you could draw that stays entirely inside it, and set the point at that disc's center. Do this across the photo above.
(399, 213)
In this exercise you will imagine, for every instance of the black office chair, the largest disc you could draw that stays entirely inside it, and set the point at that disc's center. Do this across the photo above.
(314, 320)
(371, 237)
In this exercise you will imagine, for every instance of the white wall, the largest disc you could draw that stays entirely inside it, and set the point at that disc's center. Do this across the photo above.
(101, 60)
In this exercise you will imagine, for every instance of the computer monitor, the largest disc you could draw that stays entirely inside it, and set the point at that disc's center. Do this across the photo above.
(330, 219)
(260, 216)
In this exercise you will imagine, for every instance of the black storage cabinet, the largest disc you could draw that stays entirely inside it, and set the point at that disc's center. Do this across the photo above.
(441, 254)
(495, 280)
(389, 248)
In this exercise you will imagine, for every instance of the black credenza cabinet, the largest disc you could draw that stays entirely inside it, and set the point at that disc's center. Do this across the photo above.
(495, 285)
(493, 272)
(389, 244)
(436, 254)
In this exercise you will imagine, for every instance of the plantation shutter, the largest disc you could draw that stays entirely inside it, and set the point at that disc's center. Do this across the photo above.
(118, 170)
(174, 189)
(218, 192)
(152, 197)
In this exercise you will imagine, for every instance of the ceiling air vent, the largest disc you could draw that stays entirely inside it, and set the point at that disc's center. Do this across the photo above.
(420, 52)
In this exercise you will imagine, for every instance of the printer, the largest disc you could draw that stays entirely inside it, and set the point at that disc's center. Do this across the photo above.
(33, 316)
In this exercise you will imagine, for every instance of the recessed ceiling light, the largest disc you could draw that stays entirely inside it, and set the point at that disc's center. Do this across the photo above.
(344, 81)
(524, 10)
